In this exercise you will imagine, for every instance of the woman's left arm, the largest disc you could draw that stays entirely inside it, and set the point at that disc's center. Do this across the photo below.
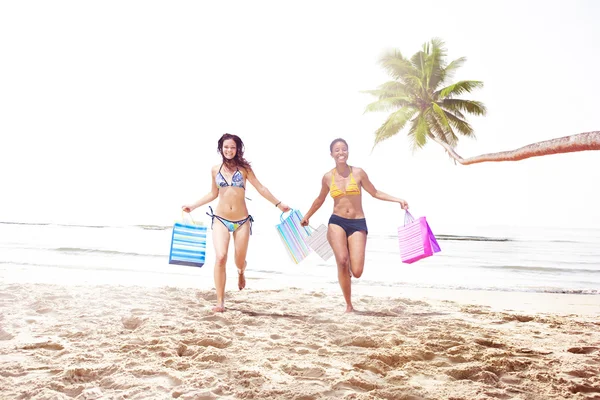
(378, 194)
(264, 192)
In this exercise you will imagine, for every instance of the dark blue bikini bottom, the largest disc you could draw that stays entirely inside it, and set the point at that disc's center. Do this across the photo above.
(349, 225)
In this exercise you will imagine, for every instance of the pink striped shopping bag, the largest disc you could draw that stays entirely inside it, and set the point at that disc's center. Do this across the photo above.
(416, 239)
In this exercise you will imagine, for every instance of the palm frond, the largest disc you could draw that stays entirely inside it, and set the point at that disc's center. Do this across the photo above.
(451, 68)
(460, 105)
(394, 87)
(435, 64)
(455, 112)
(388, 104)
(418, 132)
(389, 89)
(434, 126)
(459, 87)
(415, 83)
(438, 43)
(418, 61)
(460, 125)
(396, 65)
(395, 123)
(440, 117)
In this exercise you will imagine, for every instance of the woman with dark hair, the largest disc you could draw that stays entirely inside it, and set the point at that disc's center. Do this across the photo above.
(229, 185)
(347, 231)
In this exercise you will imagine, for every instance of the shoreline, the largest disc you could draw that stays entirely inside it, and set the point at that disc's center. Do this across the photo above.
(496, 299)
(518, 301)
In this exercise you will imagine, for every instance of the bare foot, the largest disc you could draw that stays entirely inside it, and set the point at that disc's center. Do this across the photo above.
(241, 277)
(349, 309)
(219, 308)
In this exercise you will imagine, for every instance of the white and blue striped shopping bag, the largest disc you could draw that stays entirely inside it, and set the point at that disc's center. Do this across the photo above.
(188, 245)
(317, 241)
(293, 235)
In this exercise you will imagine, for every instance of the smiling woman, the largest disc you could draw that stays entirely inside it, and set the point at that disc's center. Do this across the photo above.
(228, 184)
(347, 232)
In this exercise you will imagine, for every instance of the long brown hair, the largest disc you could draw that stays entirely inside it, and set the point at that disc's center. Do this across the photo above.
(238, 160)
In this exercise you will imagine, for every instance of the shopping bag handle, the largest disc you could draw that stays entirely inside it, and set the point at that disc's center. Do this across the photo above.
(408, 218)
(291, 210)
(189, 215)
(310, 229)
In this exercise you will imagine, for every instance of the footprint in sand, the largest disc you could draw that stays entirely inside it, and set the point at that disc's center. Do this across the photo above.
(359, 341)
(5, 335)
(475, 310)
(374, 366)
(132, 322)
(584, 388)
(207, 296)
(355, 383)
(584, 373)
(195, 395)
(184, 351)
(474, 373)
(519, 318)
(397, 359)
(43, 345)
(489, 343)
(214, 341)
(92, 394)
(212, 317)
(42, 307)
(81, 375)
(8, 296)
(303, 372)
(158, 379)
(582, 350)
(210, 354)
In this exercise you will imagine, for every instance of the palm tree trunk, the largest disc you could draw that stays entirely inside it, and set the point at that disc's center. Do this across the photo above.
(568, 144)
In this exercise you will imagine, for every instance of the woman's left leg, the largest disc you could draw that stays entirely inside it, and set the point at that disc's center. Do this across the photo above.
(241, 238)
(357, 243)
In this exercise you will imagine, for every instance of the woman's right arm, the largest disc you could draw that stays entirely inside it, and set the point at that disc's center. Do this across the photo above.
(207, 198)
(318, 201)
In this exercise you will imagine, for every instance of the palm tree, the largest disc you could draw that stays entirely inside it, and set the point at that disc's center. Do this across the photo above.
(419, 95)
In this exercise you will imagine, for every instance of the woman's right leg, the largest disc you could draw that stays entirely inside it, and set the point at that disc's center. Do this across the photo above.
(221, 244)
(336, 235)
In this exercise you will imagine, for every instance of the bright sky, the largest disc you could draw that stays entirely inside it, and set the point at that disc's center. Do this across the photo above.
(110, 111)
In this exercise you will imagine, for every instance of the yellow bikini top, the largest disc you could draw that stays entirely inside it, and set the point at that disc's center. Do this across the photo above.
(352, 188)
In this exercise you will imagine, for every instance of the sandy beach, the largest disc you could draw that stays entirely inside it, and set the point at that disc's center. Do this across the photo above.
(120, 342)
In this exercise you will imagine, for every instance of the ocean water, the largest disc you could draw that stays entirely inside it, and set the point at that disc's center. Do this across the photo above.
(500, 259)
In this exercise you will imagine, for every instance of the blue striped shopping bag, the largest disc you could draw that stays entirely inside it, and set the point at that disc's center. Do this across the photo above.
(293, 235)
(188, 244)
